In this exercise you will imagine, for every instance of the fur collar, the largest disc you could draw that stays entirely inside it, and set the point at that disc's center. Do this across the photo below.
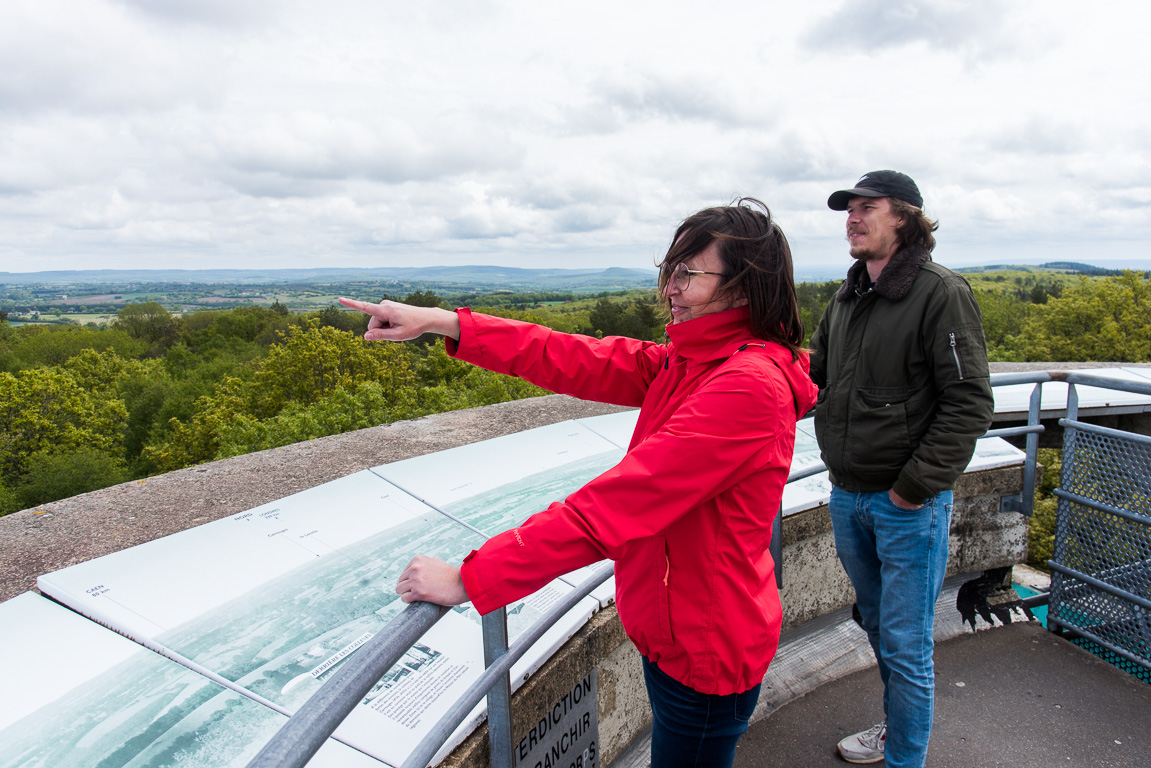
(894, 281)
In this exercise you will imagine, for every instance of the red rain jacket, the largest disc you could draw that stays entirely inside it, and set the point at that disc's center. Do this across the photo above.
(687, 513)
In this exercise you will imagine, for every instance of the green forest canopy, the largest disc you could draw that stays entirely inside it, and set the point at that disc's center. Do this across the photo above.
(83, 407)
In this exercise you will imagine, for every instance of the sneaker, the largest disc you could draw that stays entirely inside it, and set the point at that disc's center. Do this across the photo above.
(865, 747)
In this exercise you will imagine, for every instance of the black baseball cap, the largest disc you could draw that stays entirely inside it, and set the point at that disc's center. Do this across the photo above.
(878, 184)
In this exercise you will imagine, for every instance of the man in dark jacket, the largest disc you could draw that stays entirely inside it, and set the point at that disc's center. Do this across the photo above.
(901, 364)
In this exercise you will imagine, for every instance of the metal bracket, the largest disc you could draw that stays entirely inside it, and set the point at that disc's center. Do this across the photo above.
(1012, 503)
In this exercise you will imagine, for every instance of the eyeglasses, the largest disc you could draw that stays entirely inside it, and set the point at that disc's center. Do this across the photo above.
(680, 276)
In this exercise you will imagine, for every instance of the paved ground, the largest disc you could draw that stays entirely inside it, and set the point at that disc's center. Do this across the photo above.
(1010, 696)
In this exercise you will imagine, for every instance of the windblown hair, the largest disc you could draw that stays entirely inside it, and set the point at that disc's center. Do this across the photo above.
(916, 229)
(757, 265)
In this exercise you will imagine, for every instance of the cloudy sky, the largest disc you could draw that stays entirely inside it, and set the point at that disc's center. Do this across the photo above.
(283, 133)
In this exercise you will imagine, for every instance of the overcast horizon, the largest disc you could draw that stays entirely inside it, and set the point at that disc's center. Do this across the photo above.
(273, 134)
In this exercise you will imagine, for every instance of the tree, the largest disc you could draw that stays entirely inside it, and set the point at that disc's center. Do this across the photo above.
(334, 317)
(39, 345)
(48, 410)
(50, 476)
(205, 331)
(311, 362)
(305, 369)
(636, 319)
(146, 393)
(1041, 526)
(422, 299)
(1100, 319)
(605, 319)
(1003, 319)
(813, 299)
(148, 321)
(101, 373)
(9, 500)
(340, 411)
(447, 384)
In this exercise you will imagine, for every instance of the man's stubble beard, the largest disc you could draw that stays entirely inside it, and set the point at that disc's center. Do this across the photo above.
(863, 254)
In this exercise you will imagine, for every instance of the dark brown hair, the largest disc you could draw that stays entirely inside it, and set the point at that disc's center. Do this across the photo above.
(916, 228)
(757, 265)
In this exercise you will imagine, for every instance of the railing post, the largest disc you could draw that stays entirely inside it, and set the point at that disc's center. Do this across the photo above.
(1067, 459)
(1072, 402)
(1032, 450)
(495, 627)
(1069, 434)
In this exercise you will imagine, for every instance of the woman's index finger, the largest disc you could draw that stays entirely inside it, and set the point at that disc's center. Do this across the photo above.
(355, 304)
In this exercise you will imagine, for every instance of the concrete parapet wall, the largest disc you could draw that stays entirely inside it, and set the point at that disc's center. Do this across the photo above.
(984, 536)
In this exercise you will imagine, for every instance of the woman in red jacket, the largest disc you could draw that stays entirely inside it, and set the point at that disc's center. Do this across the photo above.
(687, 514)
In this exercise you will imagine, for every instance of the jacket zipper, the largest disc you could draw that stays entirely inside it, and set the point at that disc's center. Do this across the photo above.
(955, 354)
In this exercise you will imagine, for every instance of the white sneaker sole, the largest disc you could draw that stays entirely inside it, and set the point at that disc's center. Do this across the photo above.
(859, 760)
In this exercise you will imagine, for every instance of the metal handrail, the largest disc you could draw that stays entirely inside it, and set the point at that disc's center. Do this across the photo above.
(301, 737)
(305, 732)
(1094, 380)
(498, 671)
(1025, 503)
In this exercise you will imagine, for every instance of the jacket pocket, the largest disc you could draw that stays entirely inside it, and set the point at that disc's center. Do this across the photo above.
(966, 353)
(879, 441)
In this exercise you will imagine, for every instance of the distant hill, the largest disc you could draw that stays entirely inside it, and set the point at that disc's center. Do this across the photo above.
(1073, 267)
(574, 280)
(1082, 269)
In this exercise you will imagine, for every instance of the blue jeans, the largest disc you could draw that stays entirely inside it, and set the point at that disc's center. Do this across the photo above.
(693, 729)
(896, 560)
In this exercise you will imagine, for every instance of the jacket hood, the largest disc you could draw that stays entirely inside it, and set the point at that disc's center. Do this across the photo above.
(798, 375)
(722, 334)
(894, 281)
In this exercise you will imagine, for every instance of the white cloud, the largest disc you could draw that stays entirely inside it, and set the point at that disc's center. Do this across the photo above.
(212, 133)
(224, 14)
(975, 27)
(77, 57)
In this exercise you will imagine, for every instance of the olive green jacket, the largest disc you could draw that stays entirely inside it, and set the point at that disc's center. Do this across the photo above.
(903, 381)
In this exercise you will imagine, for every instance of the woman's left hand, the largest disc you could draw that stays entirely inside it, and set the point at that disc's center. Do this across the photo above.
(431, 580)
